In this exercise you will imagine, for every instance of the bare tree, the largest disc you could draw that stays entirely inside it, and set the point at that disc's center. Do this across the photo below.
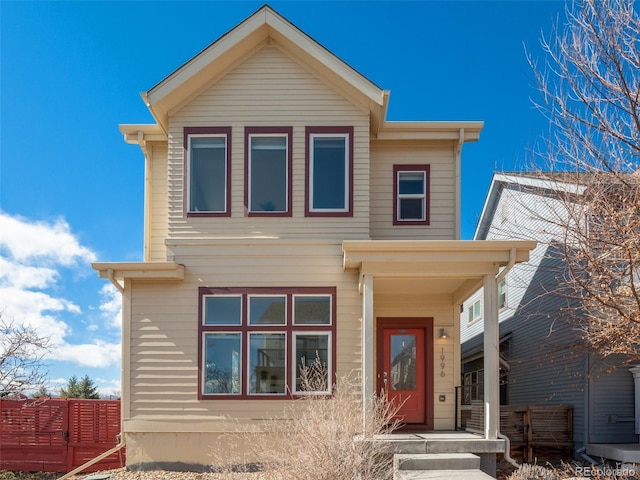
(590, 90)
(22, 352)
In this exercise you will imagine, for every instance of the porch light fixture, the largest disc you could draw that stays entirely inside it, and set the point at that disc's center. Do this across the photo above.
(443, 334)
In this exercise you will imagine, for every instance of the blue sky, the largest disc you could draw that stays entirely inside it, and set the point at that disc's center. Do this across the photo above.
(71, 190)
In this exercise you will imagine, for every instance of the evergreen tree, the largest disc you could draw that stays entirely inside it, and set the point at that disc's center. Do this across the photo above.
(84, 388)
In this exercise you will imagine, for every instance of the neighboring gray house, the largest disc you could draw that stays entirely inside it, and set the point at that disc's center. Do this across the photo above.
(543, 360)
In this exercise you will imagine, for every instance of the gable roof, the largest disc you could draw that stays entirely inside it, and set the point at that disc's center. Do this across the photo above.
(233, 47)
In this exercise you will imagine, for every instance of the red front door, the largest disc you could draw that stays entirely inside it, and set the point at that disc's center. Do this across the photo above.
(402, 373)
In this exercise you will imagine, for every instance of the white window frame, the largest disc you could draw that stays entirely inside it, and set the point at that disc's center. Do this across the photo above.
(412, 196)
(286, 172)
(294, 356)
(319, 295)
(471, 316)
(347, 160)
(189, 172)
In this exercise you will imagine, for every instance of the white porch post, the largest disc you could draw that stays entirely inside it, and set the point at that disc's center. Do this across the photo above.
(491, 358)
(367, 351)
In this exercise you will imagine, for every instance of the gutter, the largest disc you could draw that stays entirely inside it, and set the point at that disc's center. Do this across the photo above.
(114, 281)
(102, 456)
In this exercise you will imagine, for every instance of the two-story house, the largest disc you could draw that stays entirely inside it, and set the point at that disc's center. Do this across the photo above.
(286, 220)
(544, 360)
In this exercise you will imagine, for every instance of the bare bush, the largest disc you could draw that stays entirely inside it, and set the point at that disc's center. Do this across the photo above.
(590, 92)
(319, 436)
(22, 350)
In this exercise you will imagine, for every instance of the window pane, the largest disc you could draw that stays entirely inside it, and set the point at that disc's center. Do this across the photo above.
(222, 363)
(207, 170)
(411, 209)
(403, 362)
(329, 173)
(502, 294)
(268, 174)
(312, 363)
(311, 310)
(410, 183)
(267, 310)
(267, 363)
(222, 310)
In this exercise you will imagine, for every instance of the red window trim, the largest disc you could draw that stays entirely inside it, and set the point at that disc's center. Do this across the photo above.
(244, 330)
(412, 168)
(289, 132)
(204, 131)
(307, 177)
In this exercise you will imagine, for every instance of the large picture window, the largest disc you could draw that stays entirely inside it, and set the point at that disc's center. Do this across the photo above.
(329, 179)
(265, 342)
(207, 177)
(268, 170)
(411, 194)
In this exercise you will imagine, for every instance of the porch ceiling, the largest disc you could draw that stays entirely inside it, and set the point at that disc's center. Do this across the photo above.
(454, 267)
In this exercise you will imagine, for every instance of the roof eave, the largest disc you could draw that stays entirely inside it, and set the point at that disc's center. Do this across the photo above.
(464, 131)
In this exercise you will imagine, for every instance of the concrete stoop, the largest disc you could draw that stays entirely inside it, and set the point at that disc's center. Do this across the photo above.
(445, 466)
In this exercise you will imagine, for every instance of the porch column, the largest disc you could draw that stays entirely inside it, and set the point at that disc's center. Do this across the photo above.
(491, 358)
(367, 352)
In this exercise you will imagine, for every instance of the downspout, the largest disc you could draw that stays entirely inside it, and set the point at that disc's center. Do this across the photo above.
(499, 278)
(114, 281)
(93, 461)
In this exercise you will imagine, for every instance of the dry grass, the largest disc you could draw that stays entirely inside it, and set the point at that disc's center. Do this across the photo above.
(314, 439)
(567, 471)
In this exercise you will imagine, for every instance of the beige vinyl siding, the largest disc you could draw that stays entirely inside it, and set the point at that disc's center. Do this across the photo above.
(269, 89)
(164, 334)
(442, 311)
(157, 209)
(440, 156)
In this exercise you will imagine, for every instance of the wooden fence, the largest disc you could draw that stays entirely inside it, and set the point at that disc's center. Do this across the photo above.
(58, 434)
(535, 431)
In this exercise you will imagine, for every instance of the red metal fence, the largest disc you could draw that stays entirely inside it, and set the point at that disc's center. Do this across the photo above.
(58, 434)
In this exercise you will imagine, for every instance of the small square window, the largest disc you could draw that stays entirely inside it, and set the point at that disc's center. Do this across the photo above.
(411, 195)
(312, 310)
(222, 310)
(267, 310)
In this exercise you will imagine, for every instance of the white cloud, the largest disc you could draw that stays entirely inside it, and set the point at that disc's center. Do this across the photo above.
(33, 256)
(96, 354)
(51, 243)
(111, 306)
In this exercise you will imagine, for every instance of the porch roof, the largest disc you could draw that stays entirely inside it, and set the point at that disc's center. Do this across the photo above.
(455, 267)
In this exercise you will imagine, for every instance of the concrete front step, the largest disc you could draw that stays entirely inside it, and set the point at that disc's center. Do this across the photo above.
(441, 475)
(436, 461)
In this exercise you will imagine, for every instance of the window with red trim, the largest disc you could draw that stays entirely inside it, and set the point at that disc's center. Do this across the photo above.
(207, 173)
(254, 341)
(329, 171)
(411, 194)
(268, 163)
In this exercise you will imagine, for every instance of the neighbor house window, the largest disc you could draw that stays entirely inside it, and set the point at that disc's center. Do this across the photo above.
(411, 194)
(207, 173)
(475, 311)
(329, 176)
(502, 294)
(266, 342)
(268, 162)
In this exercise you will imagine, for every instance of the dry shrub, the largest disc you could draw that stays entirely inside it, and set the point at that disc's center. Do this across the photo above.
(319, 437)
(574, 472)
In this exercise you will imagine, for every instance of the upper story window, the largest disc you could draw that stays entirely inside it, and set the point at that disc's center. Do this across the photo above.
(207, 179)
(268, 162)
(502, 294)
(411, 195)
(329, 175)
(475, 311)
